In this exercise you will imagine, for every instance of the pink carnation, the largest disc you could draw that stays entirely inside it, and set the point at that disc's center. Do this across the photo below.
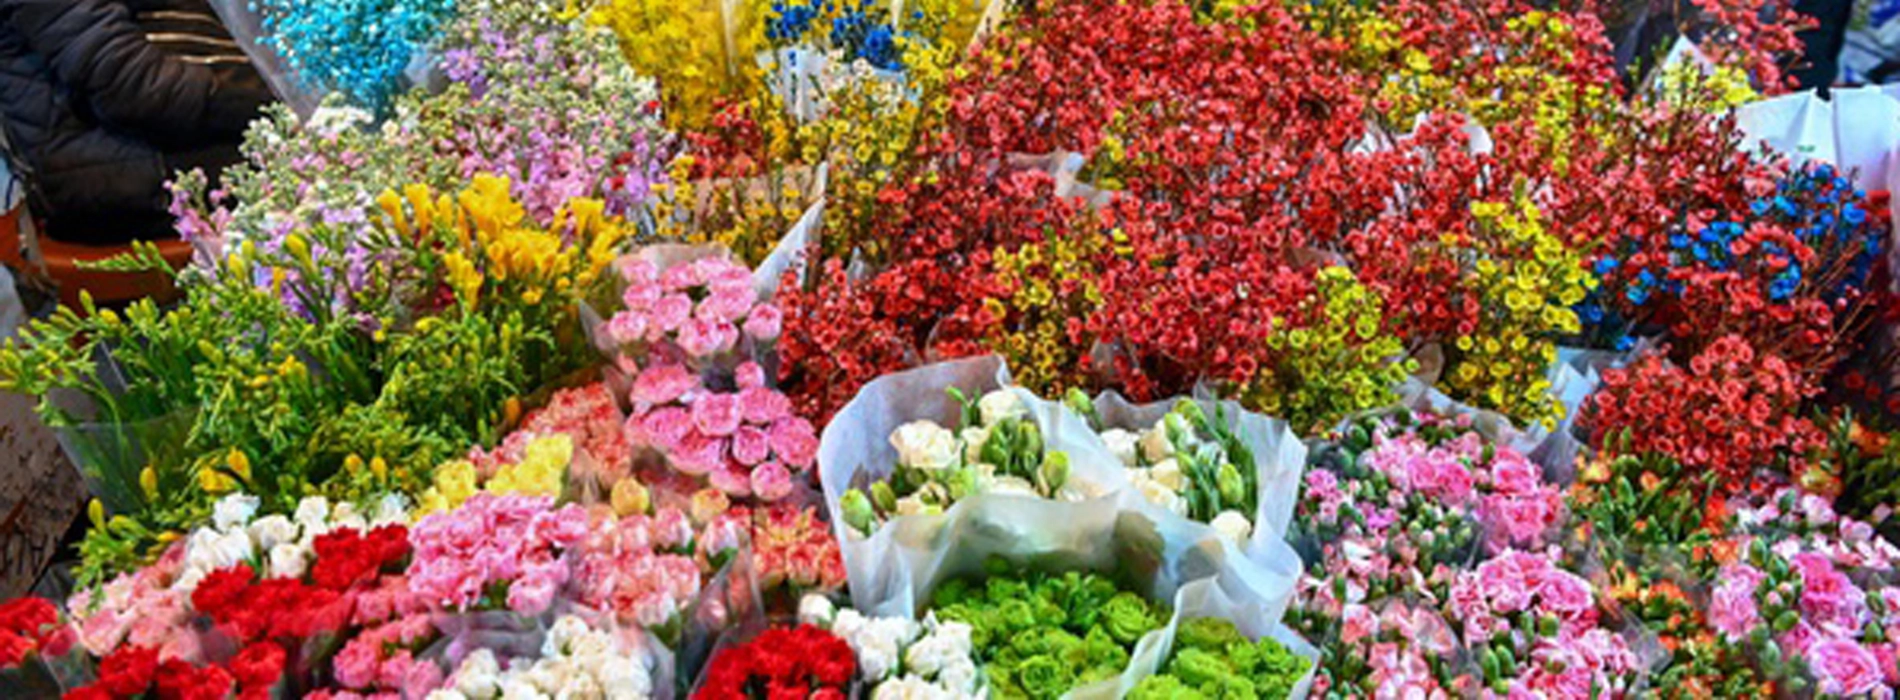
(1843, 668)
(685, 275)
(771, 481)
(762, 406)
(795, 442)
(628, 327)
(702, 338)
(732, 479)
(750, 375)
(636, 272)
(698, 454)
(1566, 594)
(716, 414)
(1732, 609)
(671, 311)
(750, 446)
(765, 322)
(664, 428)
(662, 384)
(726, 305)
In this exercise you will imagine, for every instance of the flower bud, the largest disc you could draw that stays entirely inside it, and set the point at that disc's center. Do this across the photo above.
(298, 248)
(239, 464)
(1233, 488)
(353, 464)
(379, 467)
(1054, 471)
(1080, 403)
(629, 497)
(857, 511)
(961, 482)
(96, 512)
(148, 482)
(1191, 411)
(883, 497)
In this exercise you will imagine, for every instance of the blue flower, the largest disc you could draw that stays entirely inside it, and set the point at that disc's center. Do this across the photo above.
(1605, 265)
(1854, 214)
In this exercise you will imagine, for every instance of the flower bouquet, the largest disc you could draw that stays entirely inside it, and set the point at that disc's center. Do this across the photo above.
(575, 659)
(899, 657)
(1236, 471)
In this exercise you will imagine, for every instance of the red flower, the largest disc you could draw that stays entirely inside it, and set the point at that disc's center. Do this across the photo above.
(178, 680)
(346, 556)
(801, 662)
(90, 692)
(128, 671)
(259, 665)
(14, 648)
(221, 589)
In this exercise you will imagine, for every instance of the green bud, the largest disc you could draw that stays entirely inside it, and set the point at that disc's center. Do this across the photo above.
(857, 511)
(1054, 472)
(1080, 403)
(1192, 412)
(1233, 488)
(883, 497)
(961, 482)
(1786, 621)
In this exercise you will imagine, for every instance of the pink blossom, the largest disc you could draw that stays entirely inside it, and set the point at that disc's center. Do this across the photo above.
(671, 311)
(765, 322)
(1513, 474)
(702, 338)
(665, 428)
(639, 298)
(1566, 594)
(763, 406)
(750, 446)
(732, 479)
(637, 272)
(627, 327)
(750, 375)
(698, 454)
(771, 481)
(531, 596)
(1732, 609)
(795, 442)
(726, 305)
(716, 414)
(1358, 623)
(663, 384)
(685, 275)
(1843, 668)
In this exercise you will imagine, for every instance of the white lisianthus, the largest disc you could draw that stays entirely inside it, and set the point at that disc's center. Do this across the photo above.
(478, 677)
(447, 694)
(1232, 525)
(564, 632)
(519, 688)
(233, 511)
(272, 530)
(1010, 485)
(288, 560)
(1154, 492)
(1155, 445)
(960, 677)
(816, 610)
(344, 515)
(973, 440)
(1167, 472)
(1000, 405)
(1125, 445)
(925, 445)
(910, 688)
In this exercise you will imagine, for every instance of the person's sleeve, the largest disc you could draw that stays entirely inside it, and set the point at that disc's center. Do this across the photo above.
(97, 51)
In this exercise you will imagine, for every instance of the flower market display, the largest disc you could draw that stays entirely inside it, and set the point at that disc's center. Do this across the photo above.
(987, 349)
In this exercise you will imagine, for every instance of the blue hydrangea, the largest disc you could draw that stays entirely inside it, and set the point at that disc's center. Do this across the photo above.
(357, 47)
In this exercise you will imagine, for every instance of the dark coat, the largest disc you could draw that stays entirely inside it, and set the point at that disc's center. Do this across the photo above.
(103, 99)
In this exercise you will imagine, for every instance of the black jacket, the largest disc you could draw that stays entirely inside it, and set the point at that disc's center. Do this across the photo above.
(103, 99)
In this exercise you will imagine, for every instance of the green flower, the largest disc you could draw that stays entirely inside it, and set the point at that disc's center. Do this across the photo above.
(857, 511)
(1103, 650)
(1208, 634)
(1199, 668)
(1127, 617)
(1044, 677)
(1164, 687)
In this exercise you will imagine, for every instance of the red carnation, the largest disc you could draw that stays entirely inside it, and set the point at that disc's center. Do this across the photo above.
(259, 665)
(801, 662)
(128, 671)
(90, 692)
(13, 648)
(221, 589)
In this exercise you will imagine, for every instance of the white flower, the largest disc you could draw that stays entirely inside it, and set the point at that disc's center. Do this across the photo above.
(1011, 485)
(959, 677)
(520, 689)
(288, 560)
(973, 441)
(478, 679)
(313, 514)
(445, 694)
(816, 610)
(1155, 445)
(233, 511)
(910, 688)
(1167, 472)
(218, 550)
(1232, 525)
(392, 508)
(999, 405)
(345, 516)
(272, 530)
(578, 686)
(625, 680)
(1125, 445)
(925, 445)
(565, 630)
(911, 505)
(1168, 499)
(591, 645)
(847, 623)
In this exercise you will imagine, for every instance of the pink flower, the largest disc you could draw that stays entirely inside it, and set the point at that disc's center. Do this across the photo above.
(1843, 668)
(627, 327)
(702, 338)
(732, 479)
(662, 384)
(1513, 474)
(671, 311)
(716, 414)
(795, 442)
(771, 481)
(664, 428)
(531, 596)
(1566, 594)
(726, 305)
(762, 406)
(1732, 609)
(699, 454)
(750, 375)
(750, 446)
(1358, 623)
(685, 275)
(637, 272)
(764, 323)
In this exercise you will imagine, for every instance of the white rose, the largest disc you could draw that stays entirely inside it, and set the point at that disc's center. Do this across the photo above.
(1155, 445)
(999, 405)
(925, 445)
(445, 694)
(877, 657)
(313, 514)
(519, 688)
(344, 515)
(1162, 496)
(287, 560)
(973, 440)
(272, 530)
(1167, 472)
(847, 623)
(929, 655)
(816, 610)
(233, 511)
(477, 678)
(230, 549)
(1232, 525)
(908, 688)
(565, 630)
(590, 645)
(1124, 444)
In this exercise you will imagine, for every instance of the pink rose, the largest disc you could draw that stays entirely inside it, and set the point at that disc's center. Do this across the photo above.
(750, 445)
(732, 479)
(671, 311)
(716, 414)
(795, 442)
(531, 596)
(771, 481)
(750, 375)
(1843, 668)
(637, 272)
(665, 428)
(684, 275)
(762, 406)
(662, 384)
(764, 323)
(699, 454)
